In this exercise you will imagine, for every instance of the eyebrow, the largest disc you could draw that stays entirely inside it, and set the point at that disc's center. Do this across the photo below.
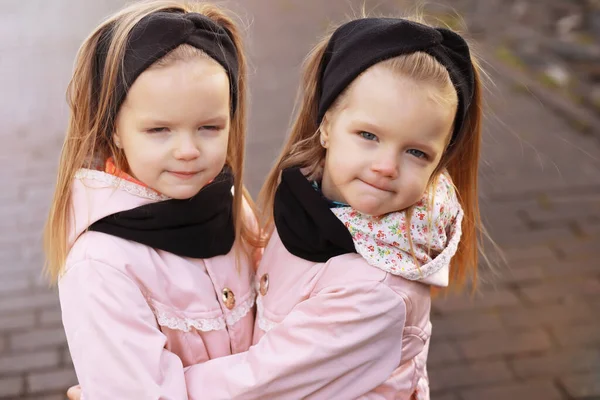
(371, 127)
(219, 119)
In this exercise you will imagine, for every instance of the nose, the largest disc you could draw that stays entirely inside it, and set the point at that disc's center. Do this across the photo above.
(386, 164)
(186, 147)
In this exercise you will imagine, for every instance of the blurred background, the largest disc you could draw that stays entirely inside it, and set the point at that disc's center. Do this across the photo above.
(529, 332)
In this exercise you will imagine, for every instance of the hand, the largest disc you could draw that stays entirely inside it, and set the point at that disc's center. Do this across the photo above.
(74, 393)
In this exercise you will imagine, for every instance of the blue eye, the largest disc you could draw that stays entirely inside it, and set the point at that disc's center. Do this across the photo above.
(417, 153)
(367, 135)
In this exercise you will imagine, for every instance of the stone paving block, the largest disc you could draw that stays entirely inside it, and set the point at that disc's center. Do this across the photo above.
(51, 317)
(468, 374)
(543, 263)
(545, 390)
(23, 362)
(592, 229)
(583, 386)
(497, 225)
(33, 253)
(526, 178)
(585, 246)
(550, 315)
(47, 381)
(6, 254)
(25, 303)
(583, 334)
(453, 325)
(539, 237)
(40, 338)
(18, 238)
(9, 287)
(39, 281)
(584, 267)
(17, 270)
(490, 299)
(518, 255)
(517, 276)
(595, 303)
(573, 209)
(575, 289)
(442, 352)
(556, 363)
(35, 193)
(503, 217)
(66, 356)
(445, 396)
(505, 343)
(11, 387)
(59, 396)
(10, 252)
(19, 321)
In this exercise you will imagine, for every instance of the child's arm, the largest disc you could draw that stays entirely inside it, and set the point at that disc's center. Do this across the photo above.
(340, 343)
(117, 349)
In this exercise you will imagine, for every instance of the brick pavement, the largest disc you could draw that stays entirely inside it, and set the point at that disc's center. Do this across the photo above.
(532, 331)
(529, 334)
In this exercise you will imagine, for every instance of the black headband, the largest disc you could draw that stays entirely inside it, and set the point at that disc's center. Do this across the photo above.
(161, 32)
(359, 44)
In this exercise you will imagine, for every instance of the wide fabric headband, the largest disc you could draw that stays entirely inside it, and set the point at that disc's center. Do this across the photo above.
(161, 32)
(359, 44)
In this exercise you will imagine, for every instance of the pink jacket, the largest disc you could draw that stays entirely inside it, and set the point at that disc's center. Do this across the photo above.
(336, 330)
(356, 326)
(136, 317)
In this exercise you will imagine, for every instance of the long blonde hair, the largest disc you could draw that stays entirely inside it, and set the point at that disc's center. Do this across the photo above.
(461, 160)
(87, 144)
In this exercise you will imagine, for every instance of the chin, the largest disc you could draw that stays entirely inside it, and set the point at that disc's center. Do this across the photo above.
(369, 206)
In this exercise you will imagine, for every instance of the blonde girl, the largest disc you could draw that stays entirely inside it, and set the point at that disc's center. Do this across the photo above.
(372, 202)
(150, 232)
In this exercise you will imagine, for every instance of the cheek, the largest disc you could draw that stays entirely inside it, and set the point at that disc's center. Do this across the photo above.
(143, 165)
(145, 153)
(214, 151)
(221, 146)
(344, 154)
(338, 165)
(416, 180)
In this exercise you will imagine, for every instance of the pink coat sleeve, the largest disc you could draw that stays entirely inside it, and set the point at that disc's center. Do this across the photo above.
(117, 348)
(340, 343)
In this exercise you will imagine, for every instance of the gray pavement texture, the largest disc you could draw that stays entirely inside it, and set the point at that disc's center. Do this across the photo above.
(529, 332)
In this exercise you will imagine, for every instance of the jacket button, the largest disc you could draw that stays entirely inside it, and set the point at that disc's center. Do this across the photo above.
(264, 284)
(228, 298)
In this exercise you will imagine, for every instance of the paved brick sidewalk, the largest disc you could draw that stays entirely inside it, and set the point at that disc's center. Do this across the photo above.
(531, 334)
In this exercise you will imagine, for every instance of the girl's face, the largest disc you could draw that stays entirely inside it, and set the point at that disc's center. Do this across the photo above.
(174, 126)
(384, 142)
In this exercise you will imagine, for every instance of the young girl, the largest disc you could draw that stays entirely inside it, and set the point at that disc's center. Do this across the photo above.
(150, 248)
(367, 202)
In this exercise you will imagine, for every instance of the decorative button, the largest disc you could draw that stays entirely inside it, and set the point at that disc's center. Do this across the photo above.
(264, 284)
(228, 298)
